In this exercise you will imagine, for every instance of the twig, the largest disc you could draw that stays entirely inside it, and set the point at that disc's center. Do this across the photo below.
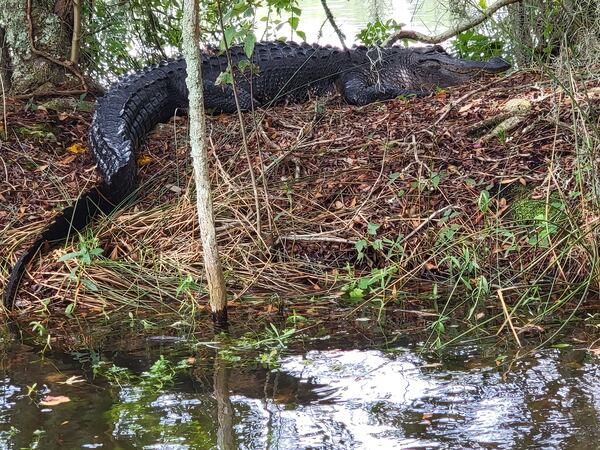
(45, 55)
(507, 315)
(426, 221)
(416, 36)
(468, 95)
(329, 16)
(4, 107)
(316, 238)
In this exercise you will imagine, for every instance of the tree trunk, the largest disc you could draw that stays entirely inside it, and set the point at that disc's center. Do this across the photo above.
(5, 66)
(29, 72)
(212, 264)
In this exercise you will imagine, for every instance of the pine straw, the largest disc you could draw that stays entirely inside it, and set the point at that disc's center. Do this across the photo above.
(329, 175)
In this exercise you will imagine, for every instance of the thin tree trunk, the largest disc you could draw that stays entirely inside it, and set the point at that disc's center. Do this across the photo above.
(75, 39)
(212, 263)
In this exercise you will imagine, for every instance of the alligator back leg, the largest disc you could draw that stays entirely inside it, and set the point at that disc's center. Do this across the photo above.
(356, 90)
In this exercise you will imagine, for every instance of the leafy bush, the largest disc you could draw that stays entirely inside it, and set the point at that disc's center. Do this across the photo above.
(476, 46)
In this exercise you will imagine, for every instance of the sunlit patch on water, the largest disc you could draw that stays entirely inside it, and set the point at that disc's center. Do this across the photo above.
(328, 399)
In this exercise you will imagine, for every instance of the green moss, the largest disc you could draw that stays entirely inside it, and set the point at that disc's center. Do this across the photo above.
(528, 209)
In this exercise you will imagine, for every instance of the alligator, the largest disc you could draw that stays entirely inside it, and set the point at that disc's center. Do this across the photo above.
(278, 72)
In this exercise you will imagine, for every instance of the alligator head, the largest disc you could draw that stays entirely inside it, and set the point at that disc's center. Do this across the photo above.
(433, 67)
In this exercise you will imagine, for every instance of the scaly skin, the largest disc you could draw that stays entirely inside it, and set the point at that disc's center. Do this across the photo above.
(285, 71)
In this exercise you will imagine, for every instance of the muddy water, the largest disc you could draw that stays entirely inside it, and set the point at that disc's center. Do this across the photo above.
(321, 399)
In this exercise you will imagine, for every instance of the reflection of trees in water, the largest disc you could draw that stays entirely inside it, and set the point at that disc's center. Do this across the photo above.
(225, 435)
(379, 10)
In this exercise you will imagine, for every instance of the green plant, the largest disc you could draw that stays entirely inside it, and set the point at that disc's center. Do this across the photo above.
(366, 286)
(162, 372)
(472, 45)
(375, 33)
(295, 318)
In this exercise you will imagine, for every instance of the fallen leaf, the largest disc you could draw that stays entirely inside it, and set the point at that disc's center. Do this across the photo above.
(72, 380)
(50, 400)
(174, 188)
(465, 108)
(144, 160)
(76, 148)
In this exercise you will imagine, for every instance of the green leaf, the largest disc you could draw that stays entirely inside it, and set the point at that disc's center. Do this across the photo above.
(301, 35)
(224, 78)
(372, 228)
(229, 34)
(482, 4)
(484, 201)
(360, 245)
(68, 256)
(357, 293)
(294, 21)
(90, 285)
(69, 309)
(249, 44)
(97, 251)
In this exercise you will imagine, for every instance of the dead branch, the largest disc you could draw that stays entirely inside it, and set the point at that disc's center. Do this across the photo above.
(420, 37)
(331, 20)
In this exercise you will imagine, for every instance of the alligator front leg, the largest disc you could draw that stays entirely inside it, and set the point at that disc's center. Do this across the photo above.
(220, 99)
(357, 91)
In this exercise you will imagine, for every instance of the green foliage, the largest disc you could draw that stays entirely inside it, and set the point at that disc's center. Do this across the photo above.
(121, 36)
(84, 255)
(375, 33)
(269, 345)
(360, 288)
(476, 46)
(162, 372)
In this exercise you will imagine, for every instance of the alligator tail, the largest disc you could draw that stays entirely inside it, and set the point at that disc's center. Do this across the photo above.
(123, 117)
(73, 218)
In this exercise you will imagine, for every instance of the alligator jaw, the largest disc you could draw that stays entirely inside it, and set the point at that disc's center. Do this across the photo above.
(494, 65)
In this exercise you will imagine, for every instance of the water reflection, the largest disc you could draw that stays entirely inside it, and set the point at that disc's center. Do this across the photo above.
(320, 400)
(353, 15)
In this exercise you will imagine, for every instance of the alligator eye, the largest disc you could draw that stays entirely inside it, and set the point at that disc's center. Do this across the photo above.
(431, 64)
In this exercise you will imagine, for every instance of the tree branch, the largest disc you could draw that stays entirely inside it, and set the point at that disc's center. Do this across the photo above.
(329, 15)
(45, 55)
(483, 15)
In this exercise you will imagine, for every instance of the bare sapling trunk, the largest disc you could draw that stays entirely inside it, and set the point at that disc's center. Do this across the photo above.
(76, 37)
(212, 263)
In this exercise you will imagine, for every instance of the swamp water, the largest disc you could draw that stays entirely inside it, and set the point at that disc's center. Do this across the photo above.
(351, 16)
(325, 397)
(317, 399)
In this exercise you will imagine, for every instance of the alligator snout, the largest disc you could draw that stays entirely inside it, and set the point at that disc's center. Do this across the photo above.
(497, 64)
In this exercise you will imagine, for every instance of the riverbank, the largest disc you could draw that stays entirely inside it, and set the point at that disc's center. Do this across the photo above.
(418, 211)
